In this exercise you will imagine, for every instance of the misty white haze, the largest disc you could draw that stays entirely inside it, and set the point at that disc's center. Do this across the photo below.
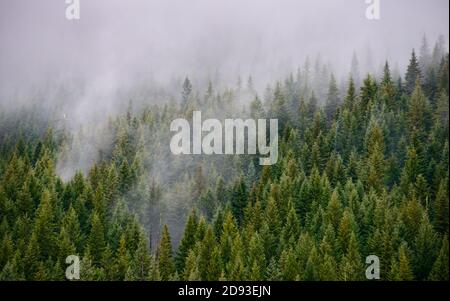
(117, 43)
(88, 69)
(140, 51)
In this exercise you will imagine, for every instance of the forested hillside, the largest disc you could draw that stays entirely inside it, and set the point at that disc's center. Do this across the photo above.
(362, 170)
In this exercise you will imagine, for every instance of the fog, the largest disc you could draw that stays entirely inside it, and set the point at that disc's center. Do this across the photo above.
(116, 43)
(90, 68)
(85, 70)
(141, 50)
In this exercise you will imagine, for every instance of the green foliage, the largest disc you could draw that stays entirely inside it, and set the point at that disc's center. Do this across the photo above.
(368, 176)
(412, 74)
(165, 260)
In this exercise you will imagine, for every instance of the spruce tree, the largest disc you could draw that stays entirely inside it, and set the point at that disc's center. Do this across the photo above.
(45, 225)
(239, 200)
(441, 211)
(165, 261)
(426, 249)
(122, 259)
(412, 74)
(96, 240)
(440, 266)
(332, 101)
(350, 98)
(187, 242)
(291, 230)
(142, 261)
(351, 267)
(404, 267)
(205, 258)
(191, 272)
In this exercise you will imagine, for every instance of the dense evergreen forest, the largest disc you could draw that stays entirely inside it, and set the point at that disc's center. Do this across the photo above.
(361, 171)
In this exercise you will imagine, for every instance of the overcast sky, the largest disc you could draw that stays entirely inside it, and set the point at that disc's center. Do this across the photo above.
(116, 40)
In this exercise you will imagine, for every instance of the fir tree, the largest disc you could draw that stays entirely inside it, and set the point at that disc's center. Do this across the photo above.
(165, 261)
(404, 271)
(96, 240)
(441, 212)
(412, 74)
(332, 101)
(187, 242)
(440, 267)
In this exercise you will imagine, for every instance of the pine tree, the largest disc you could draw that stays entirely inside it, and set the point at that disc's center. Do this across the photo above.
(443, 80)
(256, 260)
(291, 230)
(218, 224)
(236, 268)
(25, 201)
(332, 101)
(442, 109)
(6, 250)
(122, 259)
(272, 223)
(404, 268)
(273, 272)
(32, 257)
(215, 266)
(279, 108)
(199, 182)
(328, 269)
(368, 95)
(44, 226)
(96, 240)
(410, 215)
(10, 272)
(418, 115)
(208, 270)
(187, 242)
(65, 246)
(441, 212)
(351, 264)
(350, 98)
(187, 90)
(208, 204)
(425, 55)
(412, 74)
(430, 84)
(142, 261)
(201, 229)
(256, 109)
(165, 261)
(191, 272)
(239, 200)
(311, 272)
(412, 169)
(288, 265)
(387, 88)
(425, 249)
(345, 231)
(71, 224)
(440, 267)
(334, 210)
(375, 157)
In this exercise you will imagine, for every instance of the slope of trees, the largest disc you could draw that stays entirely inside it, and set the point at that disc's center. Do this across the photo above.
(365, 174)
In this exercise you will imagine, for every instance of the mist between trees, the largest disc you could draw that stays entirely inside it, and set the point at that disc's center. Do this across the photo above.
(362, 169)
